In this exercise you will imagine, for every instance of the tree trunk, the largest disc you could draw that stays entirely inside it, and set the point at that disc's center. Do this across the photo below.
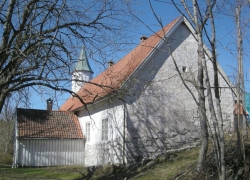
(203, 122)
(217, 99)
(204, 138)
(201, 95)
(2, 99)
(240, 87)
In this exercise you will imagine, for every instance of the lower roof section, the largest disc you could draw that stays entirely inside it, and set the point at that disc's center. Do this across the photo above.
(45, 124)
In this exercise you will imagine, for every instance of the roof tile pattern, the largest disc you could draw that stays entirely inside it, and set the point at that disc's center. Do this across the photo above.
(113, 77)
(32, 123)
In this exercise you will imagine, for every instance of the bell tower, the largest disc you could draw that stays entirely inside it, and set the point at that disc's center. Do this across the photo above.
(82, 72)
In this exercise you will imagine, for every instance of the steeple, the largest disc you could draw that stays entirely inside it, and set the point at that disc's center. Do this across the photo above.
(82, 72)
(83, 63)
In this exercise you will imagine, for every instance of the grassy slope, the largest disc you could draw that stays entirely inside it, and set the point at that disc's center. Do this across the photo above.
(172, 167)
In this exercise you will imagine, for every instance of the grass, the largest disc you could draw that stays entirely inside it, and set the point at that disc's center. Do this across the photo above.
(164, 169)
(64, 173)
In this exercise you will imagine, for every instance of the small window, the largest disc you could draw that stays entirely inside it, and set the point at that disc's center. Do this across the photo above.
(105, 129)
(87, 132)
(184, 68)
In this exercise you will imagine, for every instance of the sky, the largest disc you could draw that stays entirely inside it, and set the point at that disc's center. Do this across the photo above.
(166, 12)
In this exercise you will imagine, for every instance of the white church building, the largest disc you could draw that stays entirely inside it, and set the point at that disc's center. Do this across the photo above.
(137, 108)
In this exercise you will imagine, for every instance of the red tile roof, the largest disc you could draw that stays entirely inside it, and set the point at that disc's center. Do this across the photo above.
(112, 78)
(32, 123)
(242, 110)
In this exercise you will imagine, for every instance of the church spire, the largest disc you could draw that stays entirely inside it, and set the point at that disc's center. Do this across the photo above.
(82, 72)
(83, 63)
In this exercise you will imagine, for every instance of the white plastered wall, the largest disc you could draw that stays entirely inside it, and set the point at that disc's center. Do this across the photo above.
(162, 114)
(98, 151)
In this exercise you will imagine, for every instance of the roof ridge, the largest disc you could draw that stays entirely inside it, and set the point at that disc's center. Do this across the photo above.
(46, 110)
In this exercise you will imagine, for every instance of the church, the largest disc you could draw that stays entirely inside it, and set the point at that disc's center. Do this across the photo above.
(138, 108)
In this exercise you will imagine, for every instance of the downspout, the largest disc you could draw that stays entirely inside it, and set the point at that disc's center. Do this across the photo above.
(124, 135)
(16, 146)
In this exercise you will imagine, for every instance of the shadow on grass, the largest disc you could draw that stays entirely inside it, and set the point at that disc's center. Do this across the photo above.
(108, 172)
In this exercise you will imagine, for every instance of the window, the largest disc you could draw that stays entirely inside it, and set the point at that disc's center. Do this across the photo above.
(184, 69)
(87, 132)
(105, 129)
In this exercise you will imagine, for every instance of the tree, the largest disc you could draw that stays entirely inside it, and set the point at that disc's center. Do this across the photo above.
(238, 11)
(38, 39)
(199, 17)
(7, 130)
(240, 88)
(199, 14)
(199, 21)
(200, 101)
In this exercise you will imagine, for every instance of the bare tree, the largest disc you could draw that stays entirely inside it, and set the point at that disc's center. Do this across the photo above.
(237, 10)
(195, 16)
(7, 129)
(199, 21)
(199, 14)
(39, 37)
(240, 80)
(241, 121)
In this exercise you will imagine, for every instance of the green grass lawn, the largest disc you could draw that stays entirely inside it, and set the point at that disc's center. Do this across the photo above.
(64, 173)
(164, 169)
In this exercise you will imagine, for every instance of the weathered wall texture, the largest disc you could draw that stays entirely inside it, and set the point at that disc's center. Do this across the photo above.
(57, 152)
(161, 113)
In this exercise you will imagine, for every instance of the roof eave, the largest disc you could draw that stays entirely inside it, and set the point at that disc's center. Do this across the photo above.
(94, 103)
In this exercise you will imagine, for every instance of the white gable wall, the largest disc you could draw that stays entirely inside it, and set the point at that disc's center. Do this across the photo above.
(162, 115)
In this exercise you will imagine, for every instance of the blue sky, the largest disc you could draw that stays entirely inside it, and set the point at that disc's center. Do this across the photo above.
(166, 12)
